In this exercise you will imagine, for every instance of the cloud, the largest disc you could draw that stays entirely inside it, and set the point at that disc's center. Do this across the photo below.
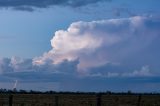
(119, 11)
(29, 5)
(41, 80)
(101, 42)
(104, 45)
(144, 72)
(17, 64)
(5, 65)
(94, 54)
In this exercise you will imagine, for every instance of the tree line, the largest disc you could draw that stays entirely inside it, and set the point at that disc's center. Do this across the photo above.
(15, 91)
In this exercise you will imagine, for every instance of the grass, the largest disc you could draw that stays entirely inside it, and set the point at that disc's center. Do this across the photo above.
(59, 99)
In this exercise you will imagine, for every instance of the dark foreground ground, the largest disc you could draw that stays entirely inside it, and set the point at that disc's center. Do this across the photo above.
(79, 100)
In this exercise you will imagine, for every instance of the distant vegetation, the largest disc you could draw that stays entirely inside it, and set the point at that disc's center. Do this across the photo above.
(15, 91)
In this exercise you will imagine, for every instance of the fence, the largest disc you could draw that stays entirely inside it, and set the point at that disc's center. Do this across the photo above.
(78, 100)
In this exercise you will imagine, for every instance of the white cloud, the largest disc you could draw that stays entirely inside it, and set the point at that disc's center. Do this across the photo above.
(99, 42)
(144, 72)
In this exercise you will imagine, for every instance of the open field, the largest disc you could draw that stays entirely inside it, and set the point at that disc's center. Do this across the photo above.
(78, 100)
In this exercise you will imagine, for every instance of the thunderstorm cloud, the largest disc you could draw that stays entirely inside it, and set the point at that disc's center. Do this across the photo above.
(102, 42)
(30, 4)
(93, 52)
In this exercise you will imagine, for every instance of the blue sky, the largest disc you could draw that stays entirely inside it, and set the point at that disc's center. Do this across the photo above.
(76, 45)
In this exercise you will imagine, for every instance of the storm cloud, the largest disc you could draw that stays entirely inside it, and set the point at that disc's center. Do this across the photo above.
(30, 4)
(19, 65)
(103, 42)
(109, 51)
(105, 45)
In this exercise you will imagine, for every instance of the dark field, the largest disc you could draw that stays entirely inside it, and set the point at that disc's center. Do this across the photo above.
(78, 100)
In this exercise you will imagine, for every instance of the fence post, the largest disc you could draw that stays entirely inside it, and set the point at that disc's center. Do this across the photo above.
(10, 100)
(98, 99)
(139, 100)
(56, 100)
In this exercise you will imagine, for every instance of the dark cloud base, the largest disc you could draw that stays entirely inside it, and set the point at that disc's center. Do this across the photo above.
(28, 5)
(67, 82)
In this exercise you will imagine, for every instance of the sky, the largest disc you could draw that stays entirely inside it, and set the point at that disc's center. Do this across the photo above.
(80, 45)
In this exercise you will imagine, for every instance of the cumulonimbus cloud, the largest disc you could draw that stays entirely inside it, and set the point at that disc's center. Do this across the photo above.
(95, 45)
(100, 42)
(107, 48)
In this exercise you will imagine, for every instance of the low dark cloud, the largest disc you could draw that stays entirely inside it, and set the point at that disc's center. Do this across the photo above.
(28, 5)
(5, 65)
(68, 82)
(18, 65)
(121, 11)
